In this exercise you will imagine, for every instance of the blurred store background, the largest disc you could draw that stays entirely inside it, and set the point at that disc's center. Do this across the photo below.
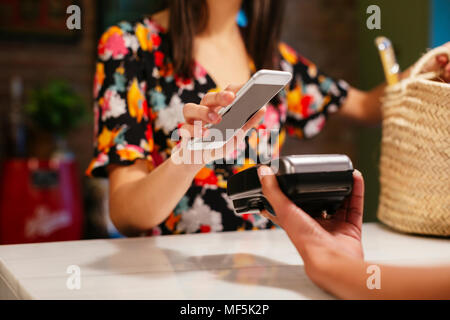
(46, 98)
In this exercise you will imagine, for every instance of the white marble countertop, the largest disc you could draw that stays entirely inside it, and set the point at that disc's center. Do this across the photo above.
(228, 265)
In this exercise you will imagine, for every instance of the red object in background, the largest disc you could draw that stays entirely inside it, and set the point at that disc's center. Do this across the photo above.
(40, 201)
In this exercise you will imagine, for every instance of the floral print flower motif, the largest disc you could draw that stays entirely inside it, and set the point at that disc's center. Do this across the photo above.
(172, 221)
(314, 126)
(271, 118)
(130, 152)
(148, 141)
(260, 222)
(253, 139)
(125, 26)
(276, 145)
(306, 100)
(99, 78)
(131, 42)
(312, 101)
(248, 163)
(182, 206)
(205, 176)
(156, 231)
(159, 59)
(184, 83)
(288, 53)
(166, 72)
(200, 73)
(154, 27)
(144, 38)
(108, 138)
(169, 118)
(294, 97)
(332, 108)
(312, 71)
(101, 160)
(327, 85)
(200, 217)
(139, 102)
(237, 152)
(120, 80)
(286, 66)
(146, 145)
(112, 106)
(282, 108)
(112, 44)
(157, 99)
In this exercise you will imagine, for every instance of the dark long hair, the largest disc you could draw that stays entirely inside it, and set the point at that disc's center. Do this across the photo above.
(261, 35)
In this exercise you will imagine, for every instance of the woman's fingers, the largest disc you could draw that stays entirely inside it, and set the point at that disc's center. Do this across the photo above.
(254, 120)
(207, 110)
(441, 63)
(240, 135)
(194, 112)
(188, 131)
(234, 88)
(447, 72)
(211, 103)
(216, 99)
(356, 202)
(444, 62)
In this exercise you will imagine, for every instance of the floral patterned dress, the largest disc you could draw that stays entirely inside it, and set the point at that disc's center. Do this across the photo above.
(139, 102)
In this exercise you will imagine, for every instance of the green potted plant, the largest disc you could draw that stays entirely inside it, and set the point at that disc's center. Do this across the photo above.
(53, 110)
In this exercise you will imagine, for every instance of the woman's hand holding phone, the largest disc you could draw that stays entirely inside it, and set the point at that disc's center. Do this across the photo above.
(197, 116)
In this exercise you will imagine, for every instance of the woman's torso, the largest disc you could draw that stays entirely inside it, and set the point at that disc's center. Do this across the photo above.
(139, 103)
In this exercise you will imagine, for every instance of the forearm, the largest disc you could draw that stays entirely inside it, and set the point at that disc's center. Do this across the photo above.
(145, 202)
(365, 106)
(347, 278)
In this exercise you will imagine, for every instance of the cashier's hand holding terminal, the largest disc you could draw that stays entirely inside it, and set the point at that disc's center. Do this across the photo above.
(332, 252)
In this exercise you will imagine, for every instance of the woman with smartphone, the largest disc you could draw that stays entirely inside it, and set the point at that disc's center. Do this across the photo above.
(163, 73)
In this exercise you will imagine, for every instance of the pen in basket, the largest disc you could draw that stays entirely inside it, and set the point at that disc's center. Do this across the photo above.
(388, 59)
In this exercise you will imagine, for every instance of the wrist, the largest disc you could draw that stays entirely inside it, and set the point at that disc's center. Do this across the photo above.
(318, 261)
(337, 273)
(178, 163)
(321, 263)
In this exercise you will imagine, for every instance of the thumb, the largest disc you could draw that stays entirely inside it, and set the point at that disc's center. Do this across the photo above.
(291, 218)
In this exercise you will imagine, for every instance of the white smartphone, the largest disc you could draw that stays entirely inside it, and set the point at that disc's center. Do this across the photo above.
(254, 95)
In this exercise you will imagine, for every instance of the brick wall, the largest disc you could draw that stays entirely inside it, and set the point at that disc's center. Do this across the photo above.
(37, 62)
(325, 31)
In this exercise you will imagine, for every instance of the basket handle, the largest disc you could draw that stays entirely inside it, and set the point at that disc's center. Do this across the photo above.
(418, 67)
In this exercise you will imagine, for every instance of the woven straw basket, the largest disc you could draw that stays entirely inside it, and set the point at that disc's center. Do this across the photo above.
(415, 153)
